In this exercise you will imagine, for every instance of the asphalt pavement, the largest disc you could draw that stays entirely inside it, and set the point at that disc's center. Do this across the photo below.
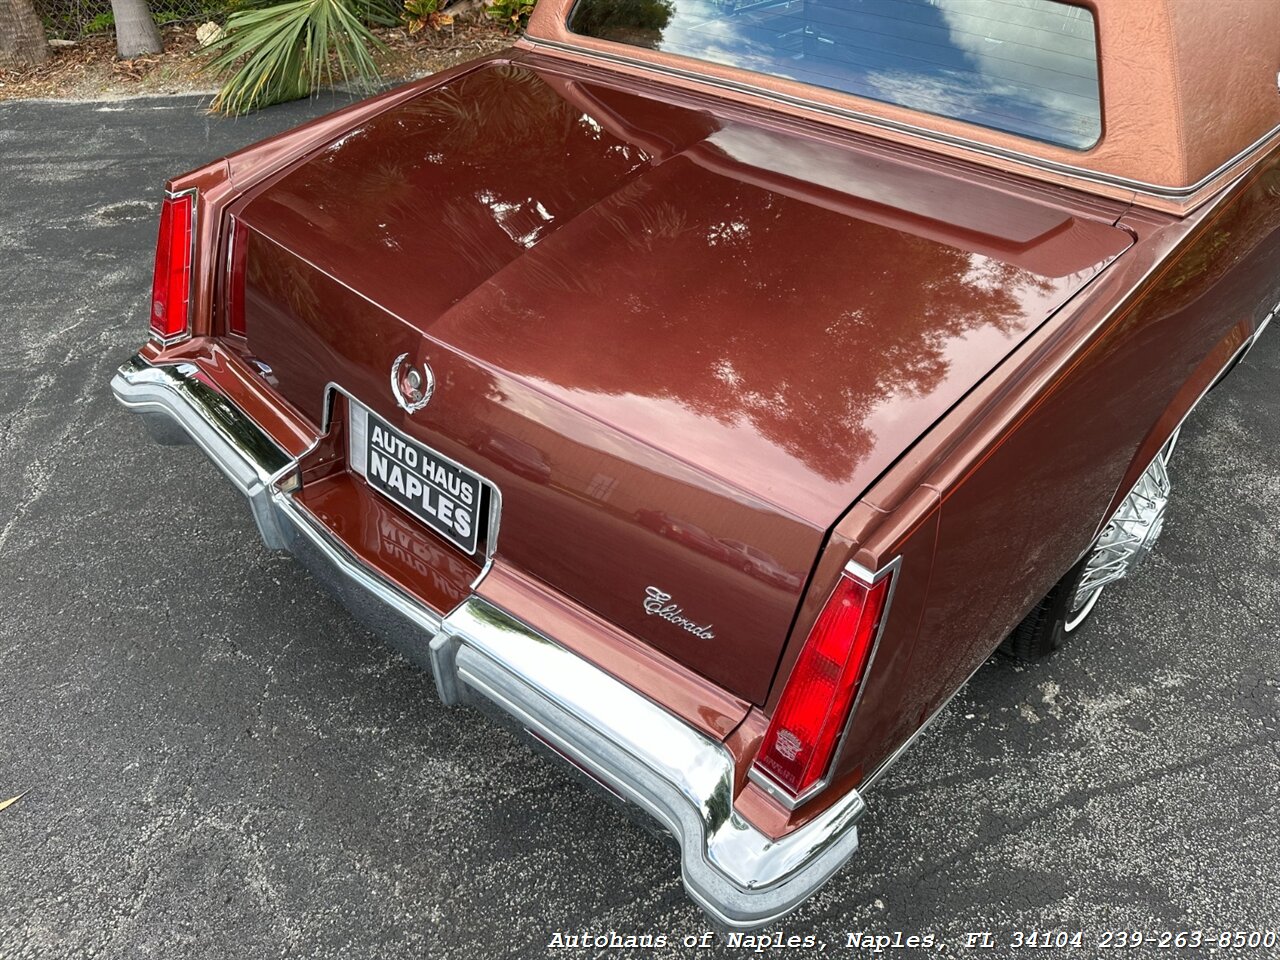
(218, 762)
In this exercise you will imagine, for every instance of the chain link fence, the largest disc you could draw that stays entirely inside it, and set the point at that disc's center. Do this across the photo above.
(77, 19)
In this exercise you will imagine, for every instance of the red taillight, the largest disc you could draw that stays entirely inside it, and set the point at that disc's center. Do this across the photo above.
(171, 283)
(814, 710)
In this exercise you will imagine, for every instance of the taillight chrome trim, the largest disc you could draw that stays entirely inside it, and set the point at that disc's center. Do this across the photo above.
(194, 194)
(233, 285)
(868, 579)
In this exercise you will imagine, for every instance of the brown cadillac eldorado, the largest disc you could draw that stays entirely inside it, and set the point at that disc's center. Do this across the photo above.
(708, 387)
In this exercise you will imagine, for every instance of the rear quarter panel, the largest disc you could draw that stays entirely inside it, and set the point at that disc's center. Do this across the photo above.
(1002, 497)
(1038, 464)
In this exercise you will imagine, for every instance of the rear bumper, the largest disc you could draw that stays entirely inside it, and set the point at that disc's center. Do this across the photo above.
(481, 654)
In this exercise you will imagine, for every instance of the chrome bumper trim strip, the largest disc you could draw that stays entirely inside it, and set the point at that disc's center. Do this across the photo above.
(172, 396)
(483, 655)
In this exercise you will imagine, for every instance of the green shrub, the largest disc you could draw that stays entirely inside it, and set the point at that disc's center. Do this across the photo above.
(101, 23)
(283, 52)
(513, 14)
(425, 13)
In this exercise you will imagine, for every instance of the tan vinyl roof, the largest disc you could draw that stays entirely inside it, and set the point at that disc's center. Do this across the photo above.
(1187, 86)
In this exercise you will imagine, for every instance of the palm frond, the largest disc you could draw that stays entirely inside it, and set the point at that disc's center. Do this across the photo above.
(284, 51)
(382, 13)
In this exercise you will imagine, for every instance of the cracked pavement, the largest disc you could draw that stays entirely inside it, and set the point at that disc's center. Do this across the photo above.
(221, 763)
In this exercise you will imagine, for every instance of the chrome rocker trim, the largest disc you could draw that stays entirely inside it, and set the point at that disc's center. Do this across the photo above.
(485, 656)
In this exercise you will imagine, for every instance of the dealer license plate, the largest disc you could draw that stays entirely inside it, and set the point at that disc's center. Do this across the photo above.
(442, 494)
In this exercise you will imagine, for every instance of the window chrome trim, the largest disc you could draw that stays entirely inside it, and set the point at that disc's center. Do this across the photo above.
(977, 146)
(224, 320)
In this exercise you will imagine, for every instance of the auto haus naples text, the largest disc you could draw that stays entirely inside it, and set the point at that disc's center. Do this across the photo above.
(436, 489)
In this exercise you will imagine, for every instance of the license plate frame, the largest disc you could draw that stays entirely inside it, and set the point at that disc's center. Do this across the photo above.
(421, 481)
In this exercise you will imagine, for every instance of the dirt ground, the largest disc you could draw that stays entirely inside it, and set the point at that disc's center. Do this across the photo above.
(90, 70)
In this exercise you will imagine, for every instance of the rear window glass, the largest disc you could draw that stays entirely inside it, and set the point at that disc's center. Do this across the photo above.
(1028, 67)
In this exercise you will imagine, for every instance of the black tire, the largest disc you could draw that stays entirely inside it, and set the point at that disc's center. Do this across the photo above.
(1044, 629)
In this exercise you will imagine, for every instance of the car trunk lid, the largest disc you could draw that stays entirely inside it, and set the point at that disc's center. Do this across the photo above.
(680, 344)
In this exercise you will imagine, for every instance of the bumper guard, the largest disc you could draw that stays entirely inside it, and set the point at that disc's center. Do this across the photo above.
(481, 654)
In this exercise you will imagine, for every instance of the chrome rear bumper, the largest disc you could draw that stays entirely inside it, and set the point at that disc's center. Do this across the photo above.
(479, 653)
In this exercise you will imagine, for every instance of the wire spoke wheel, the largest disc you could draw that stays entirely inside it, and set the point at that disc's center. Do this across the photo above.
(1126, 539)
(1129, 536)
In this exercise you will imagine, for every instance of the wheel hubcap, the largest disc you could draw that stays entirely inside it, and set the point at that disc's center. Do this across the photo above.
(1128, 537)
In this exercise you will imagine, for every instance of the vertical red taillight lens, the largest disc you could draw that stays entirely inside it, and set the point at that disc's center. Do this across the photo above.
(171, 283)
(814, 710)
